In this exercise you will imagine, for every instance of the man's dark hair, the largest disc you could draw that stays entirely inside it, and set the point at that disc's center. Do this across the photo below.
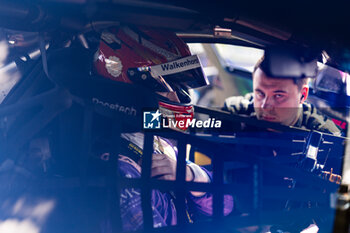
(261, 64)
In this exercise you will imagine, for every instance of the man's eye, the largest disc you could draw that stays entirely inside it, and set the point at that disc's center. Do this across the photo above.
(259, 94)
(279, 96)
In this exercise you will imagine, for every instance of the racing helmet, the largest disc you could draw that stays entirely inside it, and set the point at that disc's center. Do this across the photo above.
(155, 59)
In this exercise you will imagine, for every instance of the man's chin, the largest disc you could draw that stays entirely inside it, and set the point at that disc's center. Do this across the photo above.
(273, 120)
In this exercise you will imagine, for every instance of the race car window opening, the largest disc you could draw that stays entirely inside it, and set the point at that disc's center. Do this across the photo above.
(227, 73)
(229, 67)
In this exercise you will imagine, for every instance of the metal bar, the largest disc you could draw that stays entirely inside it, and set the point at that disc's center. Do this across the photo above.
(218, 195)
(234, 117)
(179, 184)
(114, 181)
(85, 144)
(146, 176)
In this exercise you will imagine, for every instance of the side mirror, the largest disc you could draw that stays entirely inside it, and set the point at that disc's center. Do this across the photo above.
(290, 62)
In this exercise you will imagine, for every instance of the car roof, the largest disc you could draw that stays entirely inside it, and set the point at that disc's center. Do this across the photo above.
(258, 23)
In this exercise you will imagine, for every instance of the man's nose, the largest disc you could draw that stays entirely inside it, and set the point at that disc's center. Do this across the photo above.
(267, 103)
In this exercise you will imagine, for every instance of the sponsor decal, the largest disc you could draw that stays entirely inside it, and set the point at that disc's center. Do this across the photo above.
(180, 65)
(109, 37)
(114, 66)
(131, 111)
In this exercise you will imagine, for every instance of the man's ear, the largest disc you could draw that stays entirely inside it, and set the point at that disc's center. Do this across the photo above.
(304, 93)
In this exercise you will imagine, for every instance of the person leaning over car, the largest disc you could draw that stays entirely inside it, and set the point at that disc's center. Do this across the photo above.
(280, 100)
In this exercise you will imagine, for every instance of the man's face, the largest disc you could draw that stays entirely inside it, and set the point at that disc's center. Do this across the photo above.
(277, 100)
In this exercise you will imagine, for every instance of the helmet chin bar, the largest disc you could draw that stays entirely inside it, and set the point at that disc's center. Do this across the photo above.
(169, 96)
(182, 93)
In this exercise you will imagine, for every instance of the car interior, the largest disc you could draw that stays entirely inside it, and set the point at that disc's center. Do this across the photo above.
(60, 138)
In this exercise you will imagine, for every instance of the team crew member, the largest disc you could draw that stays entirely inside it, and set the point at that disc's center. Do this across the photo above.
(280, 100)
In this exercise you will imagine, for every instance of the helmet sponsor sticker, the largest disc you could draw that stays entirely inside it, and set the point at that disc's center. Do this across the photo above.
(177, 66)
(109, 38)
(128, 110)
(114, 66)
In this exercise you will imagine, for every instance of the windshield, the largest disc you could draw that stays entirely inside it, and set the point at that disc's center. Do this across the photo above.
(238, 57)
